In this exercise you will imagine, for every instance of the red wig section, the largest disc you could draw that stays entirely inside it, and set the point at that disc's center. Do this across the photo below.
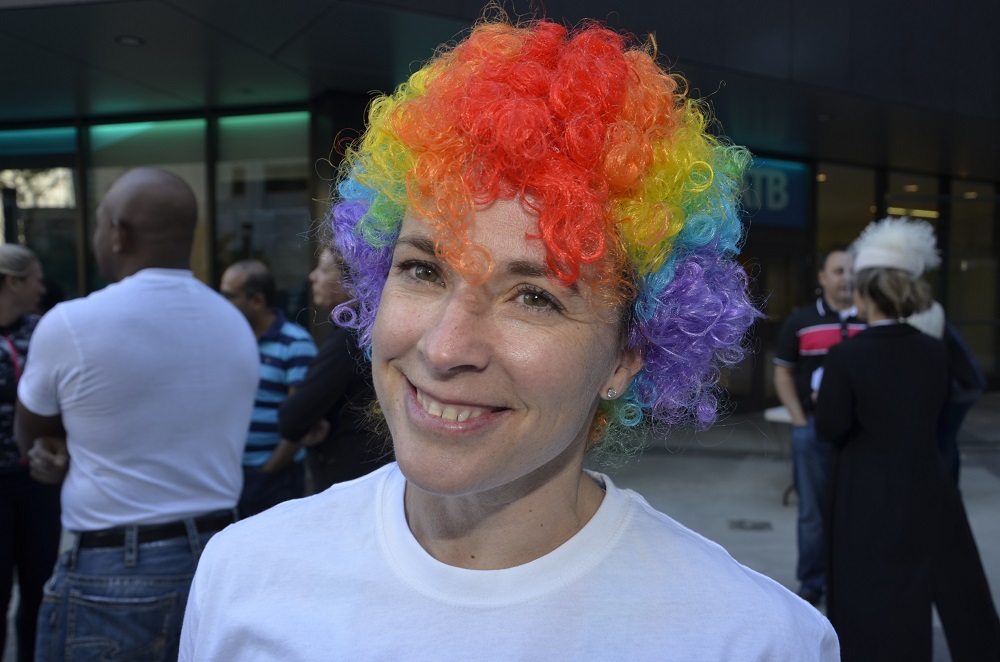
(569, 121)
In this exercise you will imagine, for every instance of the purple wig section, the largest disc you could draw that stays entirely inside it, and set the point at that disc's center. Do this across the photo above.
(693, 329)
(367, 269)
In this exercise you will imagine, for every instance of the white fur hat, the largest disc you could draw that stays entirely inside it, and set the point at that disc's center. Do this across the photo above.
(898, 243)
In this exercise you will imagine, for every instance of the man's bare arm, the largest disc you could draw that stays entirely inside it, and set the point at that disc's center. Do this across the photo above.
(48, 460)
(784, 385)
(29, 426)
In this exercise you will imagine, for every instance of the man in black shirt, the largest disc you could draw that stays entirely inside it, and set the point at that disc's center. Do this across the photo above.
(806, 337)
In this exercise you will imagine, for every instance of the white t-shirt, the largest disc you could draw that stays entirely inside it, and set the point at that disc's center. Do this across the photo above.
(154, 377)
(339, 576)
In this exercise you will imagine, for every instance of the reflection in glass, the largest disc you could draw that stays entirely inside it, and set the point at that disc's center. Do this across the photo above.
(175, 145)
(262, 201)
(41, 214)
(972, 270)
(845, 204)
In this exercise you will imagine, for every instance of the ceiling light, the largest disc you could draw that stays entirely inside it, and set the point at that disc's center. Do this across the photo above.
(911, 188)
(821, 177)
(914, 213)
(970, 195)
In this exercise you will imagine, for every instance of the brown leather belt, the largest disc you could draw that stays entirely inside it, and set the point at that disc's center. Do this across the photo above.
(115, 537)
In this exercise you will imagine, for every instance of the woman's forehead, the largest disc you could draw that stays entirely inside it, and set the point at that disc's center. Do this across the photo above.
(504, 231)
(509, 222)
(507, 231)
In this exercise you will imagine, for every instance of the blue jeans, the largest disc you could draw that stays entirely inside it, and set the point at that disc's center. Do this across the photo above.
(811, 460)
(119, 603)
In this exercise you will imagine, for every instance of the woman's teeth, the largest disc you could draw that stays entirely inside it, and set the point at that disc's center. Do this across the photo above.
(448, 412)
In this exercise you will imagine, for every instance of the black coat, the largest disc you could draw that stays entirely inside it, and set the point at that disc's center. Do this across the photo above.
(338, 387)
(898, 536)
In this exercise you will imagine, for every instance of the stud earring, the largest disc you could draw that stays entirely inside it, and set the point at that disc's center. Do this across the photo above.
(612, 394)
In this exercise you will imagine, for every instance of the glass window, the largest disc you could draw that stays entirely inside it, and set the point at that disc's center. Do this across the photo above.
(263, 200)
(916, 196)
(39, 201)
(175, 145)
(778, 193)
(845, 204)
(39, 211)
(972, 270)
(779, 206)
(37, 142)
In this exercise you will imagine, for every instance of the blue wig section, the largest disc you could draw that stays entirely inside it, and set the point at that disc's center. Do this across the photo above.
(689, 316)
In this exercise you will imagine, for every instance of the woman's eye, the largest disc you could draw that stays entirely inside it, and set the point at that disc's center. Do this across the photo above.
(420, 270)
(533, 298)
(424, 272)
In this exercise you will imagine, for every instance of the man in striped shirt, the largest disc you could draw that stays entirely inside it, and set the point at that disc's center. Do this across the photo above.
(806, 337)
(272, 467)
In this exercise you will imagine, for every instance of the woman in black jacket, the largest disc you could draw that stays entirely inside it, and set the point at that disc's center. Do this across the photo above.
(29, 510)
(328, 412)
(899, 538)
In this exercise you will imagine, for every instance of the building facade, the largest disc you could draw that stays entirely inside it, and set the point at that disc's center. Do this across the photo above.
(252, 103)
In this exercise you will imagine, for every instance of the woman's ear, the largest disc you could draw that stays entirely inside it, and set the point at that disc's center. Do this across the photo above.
(629, 364)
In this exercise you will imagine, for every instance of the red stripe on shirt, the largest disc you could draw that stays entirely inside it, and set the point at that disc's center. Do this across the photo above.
(819, 339)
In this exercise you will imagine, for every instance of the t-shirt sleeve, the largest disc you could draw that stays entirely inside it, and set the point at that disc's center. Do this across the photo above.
(329, 376)
(787, 351)
(52, 367)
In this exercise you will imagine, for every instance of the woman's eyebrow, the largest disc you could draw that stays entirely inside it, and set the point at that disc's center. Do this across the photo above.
(522, 268)
(532, 269)
(423, 244)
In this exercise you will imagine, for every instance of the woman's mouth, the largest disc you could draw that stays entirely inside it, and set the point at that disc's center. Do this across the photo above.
(459, 413)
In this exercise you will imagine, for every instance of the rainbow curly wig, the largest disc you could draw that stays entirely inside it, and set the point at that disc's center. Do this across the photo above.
(630, 190)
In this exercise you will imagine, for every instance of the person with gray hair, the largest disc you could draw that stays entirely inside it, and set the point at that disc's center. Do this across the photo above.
(899, 538)
(29, 510)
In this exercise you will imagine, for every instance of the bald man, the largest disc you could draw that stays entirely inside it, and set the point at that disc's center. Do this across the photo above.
(137, 399)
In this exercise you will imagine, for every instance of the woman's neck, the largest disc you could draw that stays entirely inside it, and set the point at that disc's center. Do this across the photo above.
(499, 530)
(876, 316)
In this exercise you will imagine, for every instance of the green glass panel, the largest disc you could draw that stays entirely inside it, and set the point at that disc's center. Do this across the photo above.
(147, 143)
(57, 140)
(270, 136)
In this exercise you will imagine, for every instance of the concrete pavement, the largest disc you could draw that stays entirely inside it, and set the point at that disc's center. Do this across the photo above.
(729, 484)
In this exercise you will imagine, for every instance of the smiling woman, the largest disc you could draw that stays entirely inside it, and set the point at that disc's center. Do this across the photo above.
(539, 237)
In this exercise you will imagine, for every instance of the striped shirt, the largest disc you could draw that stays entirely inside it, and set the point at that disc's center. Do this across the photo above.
(806, 337)
(286, 349)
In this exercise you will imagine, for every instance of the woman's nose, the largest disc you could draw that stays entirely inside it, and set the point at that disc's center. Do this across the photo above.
(457, 335)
